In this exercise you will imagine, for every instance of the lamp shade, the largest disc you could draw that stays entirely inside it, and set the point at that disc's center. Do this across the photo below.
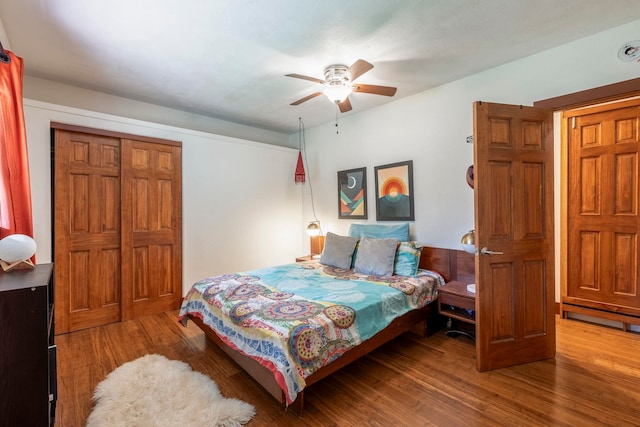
(313, 229)
(468, 242)
(17, 247)
(337, 92)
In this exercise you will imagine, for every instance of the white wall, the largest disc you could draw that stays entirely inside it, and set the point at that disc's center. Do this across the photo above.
(75, 97)
(241, 208)
(4, 38)
(430, 128)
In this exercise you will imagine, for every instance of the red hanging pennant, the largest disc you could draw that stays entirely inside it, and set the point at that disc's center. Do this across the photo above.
(300, 175)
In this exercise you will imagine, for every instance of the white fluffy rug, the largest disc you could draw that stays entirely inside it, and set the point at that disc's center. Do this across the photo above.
(156, 391)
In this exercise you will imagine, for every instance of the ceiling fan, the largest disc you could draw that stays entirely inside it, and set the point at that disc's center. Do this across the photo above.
(339, 84)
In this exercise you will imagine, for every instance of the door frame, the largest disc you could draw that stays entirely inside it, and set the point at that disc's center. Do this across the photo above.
(588, 97)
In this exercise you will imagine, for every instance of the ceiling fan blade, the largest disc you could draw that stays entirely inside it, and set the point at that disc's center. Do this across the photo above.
(376, 90)
(300, 76)
(345, 105)
(359, 68)
(306, 98)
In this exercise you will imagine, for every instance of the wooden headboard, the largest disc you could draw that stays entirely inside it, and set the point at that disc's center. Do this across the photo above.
(450, 263)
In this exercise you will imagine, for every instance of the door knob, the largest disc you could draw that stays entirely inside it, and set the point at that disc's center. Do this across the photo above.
(485, 251)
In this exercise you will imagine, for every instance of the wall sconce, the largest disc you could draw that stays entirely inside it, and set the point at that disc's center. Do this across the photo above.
(16, 251)
(468, 242)
(316, 237)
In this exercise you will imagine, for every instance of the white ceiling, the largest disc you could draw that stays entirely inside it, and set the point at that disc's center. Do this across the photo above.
(228, 59)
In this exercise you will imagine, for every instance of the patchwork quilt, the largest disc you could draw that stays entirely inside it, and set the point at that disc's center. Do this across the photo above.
(296, 318)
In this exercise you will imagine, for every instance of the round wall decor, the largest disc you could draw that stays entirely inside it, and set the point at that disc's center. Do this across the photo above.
(470, 176)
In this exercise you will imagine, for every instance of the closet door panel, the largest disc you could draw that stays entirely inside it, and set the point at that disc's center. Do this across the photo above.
(86, 230)
(141, 205)
(141, 289)
(625, 253)
(603, 220)
(165, 270)
(151, 227)
(166, 202)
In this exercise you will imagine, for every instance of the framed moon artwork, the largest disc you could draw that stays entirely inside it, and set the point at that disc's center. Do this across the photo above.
(352, 194)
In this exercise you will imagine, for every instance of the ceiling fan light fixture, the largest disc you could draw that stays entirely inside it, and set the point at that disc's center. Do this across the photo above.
(337, 92)
(337, 84)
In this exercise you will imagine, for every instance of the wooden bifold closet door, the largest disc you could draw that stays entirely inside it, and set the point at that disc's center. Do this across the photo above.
(603, 211)
(117, 227)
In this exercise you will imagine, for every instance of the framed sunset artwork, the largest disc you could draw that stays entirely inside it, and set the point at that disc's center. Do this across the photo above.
(394, 192)
(352, 194)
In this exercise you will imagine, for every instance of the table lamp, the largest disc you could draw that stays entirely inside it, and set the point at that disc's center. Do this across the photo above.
(468, 243)
(316, 237)
(15, 251)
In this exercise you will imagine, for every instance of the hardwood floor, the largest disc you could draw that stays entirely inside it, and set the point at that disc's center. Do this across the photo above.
(593, 380)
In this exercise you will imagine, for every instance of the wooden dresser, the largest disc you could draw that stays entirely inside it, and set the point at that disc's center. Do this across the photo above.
(28, 384)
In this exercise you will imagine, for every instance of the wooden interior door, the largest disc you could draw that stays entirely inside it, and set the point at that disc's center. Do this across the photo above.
(151, 227)
(86, 230)
(515, 293)
(602, 216)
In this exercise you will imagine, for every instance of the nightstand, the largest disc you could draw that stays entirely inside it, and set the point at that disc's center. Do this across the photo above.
(455, 302)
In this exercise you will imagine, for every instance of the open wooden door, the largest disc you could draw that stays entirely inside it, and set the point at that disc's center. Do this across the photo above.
(513, 169)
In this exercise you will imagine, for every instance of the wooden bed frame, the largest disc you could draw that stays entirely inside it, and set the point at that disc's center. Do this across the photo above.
(451, 264)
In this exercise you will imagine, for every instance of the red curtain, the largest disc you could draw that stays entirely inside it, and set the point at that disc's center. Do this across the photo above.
(15, 187)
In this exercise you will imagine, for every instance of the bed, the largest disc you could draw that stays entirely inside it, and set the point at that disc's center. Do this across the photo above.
(290, 326)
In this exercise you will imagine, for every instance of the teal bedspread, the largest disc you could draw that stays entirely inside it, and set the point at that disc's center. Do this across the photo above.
(296, 318)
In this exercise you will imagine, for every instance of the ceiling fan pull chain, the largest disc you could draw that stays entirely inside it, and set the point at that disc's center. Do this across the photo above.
(337, 111)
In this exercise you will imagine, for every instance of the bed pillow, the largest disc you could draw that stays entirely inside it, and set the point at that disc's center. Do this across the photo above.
(378, 231)
(407, 259)
(376, 256)
(355, 254)
(338, 251)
